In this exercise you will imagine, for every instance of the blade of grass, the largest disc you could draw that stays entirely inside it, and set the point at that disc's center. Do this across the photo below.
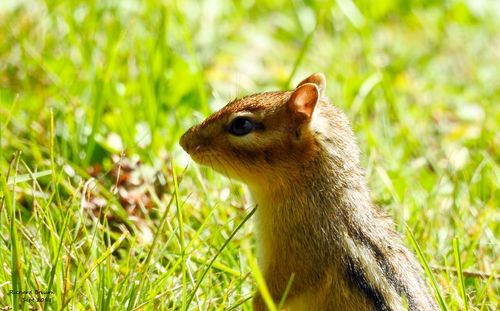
(259, 279)
(287, 290)
(146, 263)
(458, 264)
(218, 266)
(28, 177)
(6, 121)
(52, 160)
(181, 235)
(427, 269)
(62, 235)
(231, 236)
(483, 294)
(106, 254)
(305, 47)
(16, 268)
(239, 303)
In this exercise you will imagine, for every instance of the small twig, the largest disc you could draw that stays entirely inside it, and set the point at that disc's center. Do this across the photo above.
(469, 273)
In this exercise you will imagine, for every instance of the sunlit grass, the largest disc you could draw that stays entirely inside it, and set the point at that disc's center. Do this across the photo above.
(82, 81)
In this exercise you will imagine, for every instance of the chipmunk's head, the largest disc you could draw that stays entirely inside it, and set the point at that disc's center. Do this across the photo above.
(261, 137)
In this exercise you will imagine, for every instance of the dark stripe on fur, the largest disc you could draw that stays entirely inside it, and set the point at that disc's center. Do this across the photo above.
(358, 279)
(387, 269)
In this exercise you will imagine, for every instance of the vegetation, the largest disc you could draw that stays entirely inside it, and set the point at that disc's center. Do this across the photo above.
(87, 88)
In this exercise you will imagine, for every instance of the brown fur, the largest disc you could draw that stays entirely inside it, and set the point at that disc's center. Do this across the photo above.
(315, 218)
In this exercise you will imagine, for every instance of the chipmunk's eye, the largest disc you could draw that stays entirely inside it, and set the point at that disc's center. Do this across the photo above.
(241, 126)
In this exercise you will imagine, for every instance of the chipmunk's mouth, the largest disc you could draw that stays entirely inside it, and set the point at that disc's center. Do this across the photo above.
(199, 154)
(196, 154)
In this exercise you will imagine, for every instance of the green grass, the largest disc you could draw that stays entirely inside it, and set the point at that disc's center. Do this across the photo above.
(83, 81)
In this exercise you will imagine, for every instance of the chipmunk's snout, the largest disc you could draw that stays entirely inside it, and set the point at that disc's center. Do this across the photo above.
(186, 141)
(192, 140)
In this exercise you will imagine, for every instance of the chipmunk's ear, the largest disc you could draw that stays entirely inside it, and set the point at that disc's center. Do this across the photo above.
(318, 79)
(302, 102)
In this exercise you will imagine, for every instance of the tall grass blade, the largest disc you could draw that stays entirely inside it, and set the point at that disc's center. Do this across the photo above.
(259, 279)
(427, 269)
(458, 265)
(231, 236)
(16, 268)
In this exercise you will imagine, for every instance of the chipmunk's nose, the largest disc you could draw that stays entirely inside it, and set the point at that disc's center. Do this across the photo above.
(184, 142)
(191, 140)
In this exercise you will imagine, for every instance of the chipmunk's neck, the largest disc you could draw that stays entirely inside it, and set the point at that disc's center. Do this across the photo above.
(326, 185)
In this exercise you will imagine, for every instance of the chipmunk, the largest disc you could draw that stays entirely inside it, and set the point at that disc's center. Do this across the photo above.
(315, 219)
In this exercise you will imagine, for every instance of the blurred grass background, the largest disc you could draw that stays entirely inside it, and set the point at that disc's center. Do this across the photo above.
(84, 81)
